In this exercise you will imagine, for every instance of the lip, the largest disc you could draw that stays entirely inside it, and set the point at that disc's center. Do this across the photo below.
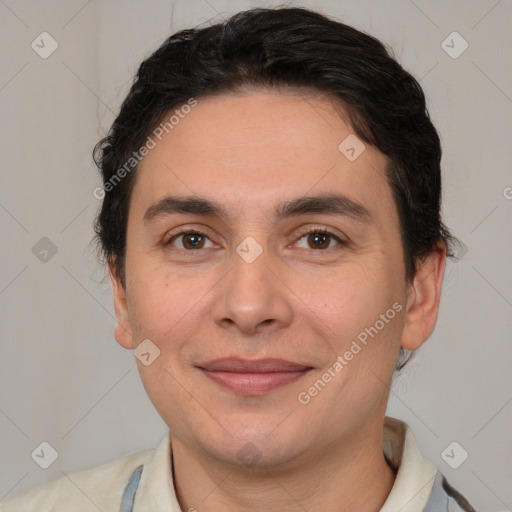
(246, 377)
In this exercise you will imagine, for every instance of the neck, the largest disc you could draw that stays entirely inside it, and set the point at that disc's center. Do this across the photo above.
(351, 474)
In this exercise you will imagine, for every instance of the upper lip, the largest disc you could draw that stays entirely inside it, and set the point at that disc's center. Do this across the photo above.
(238, 365)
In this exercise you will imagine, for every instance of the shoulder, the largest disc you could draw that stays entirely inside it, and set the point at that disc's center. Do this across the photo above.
(97, 488)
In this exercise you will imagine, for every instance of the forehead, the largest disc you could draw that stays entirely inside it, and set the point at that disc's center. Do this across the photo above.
(250, 150)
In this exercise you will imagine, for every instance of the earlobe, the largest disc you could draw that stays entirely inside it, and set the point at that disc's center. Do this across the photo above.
(423, 300)
(123, 330)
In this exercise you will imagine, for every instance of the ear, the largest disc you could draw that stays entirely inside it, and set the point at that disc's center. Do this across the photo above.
(423, 298)
(123, 331)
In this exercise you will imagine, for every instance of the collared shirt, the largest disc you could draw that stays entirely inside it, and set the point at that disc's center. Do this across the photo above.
(143, 482)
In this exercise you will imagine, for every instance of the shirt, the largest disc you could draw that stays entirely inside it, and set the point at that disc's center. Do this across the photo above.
(143, 482)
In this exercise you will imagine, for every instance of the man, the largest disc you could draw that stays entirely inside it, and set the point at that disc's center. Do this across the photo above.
(271, 223)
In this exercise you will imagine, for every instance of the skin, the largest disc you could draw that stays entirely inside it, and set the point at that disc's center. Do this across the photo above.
(297, 302)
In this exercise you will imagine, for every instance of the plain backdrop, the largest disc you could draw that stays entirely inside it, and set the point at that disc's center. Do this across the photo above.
(66, 381)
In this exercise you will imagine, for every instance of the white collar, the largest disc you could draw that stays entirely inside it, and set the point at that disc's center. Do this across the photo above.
(415, 476)
(410, 492)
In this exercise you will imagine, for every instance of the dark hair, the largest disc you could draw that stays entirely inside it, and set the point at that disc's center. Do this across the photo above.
(273, 48)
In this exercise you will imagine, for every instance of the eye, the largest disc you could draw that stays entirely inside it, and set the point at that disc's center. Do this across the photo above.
(191, 239)
(320, 239)
(316, 238)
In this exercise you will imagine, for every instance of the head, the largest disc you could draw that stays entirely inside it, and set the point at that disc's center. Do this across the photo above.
(263, 129)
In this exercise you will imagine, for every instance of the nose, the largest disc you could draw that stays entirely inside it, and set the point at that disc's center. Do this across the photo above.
(252, 298)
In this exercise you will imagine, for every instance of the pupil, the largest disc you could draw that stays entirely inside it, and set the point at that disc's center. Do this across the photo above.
(319, 239)
(192, 237)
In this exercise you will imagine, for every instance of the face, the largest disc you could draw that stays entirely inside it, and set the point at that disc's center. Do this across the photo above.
(295, 254)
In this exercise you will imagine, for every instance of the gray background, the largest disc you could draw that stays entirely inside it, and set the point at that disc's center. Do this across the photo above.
(65, 380)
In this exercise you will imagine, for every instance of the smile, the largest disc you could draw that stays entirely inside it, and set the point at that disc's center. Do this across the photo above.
(253, 377)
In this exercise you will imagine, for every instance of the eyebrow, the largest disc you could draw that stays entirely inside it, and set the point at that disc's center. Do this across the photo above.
(334, 204)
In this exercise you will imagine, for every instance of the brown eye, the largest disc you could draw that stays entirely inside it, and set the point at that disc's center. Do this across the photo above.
(190, 240)
(193, 241)
(320, 239)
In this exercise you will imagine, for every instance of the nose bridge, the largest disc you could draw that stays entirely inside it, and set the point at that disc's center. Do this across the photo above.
(252, 295)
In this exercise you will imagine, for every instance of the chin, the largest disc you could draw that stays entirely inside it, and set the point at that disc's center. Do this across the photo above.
(257, 446)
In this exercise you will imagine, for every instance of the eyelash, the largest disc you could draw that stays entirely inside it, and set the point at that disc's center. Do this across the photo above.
(322, 231)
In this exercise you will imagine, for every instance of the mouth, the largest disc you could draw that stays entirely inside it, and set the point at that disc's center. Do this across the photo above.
(252, 378)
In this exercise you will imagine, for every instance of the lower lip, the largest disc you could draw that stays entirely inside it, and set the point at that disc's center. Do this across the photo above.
(254, 383)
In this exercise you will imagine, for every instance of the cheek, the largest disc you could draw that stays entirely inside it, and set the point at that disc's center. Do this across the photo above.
(364, 306)
(170, 310)
(161, 300)
(357, 293)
